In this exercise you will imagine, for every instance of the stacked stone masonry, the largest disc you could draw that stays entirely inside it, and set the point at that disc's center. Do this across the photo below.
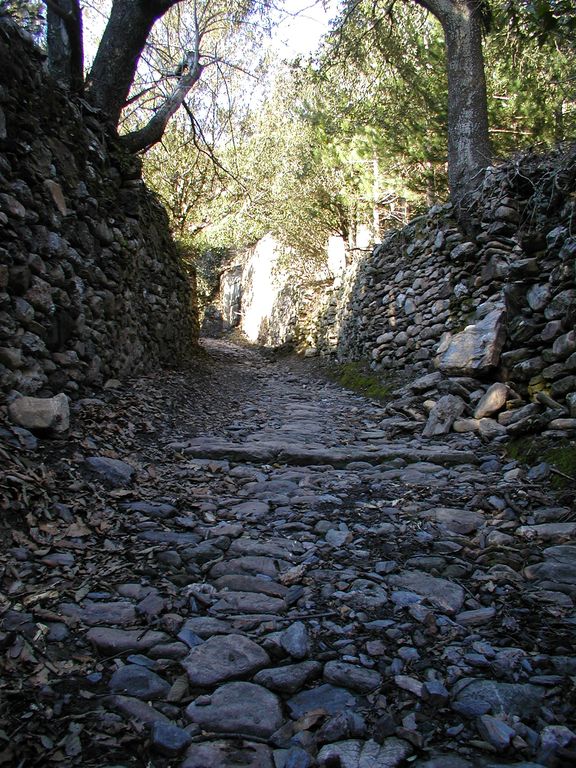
(402, 305)
(91, 287)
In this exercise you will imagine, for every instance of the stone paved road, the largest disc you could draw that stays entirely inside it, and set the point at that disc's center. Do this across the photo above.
(290, 586)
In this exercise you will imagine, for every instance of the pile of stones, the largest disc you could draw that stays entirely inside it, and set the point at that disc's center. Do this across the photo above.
(435, 404)
(500, 305)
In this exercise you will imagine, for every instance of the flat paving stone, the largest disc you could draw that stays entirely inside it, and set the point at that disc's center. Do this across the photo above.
(270, 453)
(365, 754)
(290, 678)
(351, 676)
(94, 613)
(556, 533)
(169, 537)
(223, 657)
(135, 709)
(114, 472)
(239, 708)
(250, 565)
(563, 553)
(476, 617)
(255, 510)
(228, 754)
(462, 521)
(329, 698)
(248, 602)
(112, 641)
(169, 739)
(443, 594)
(272, 548)
(156, 509)
(206, 626)
(523, 700)
(137, 681)
(240, 583)
(444, 761)
(560, 572)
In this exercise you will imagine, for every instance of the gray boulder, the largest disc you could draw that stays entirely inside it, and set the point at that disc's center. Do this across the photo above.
(476, 349)
(443, 415)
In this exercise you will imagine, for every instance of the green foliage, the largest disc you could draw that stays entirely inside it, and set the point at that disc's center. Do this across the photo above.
(531, 74)
(392, 62)
(208, 262)
(355, 137)
(275, 180)
(186, 179)
(386, 68)
(545, 21)
(343, 143)
(191, 185)
(294, 189)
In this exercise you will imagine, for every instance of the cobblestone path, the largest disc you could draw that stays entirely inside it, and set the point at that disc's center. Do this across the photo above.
(253, 572)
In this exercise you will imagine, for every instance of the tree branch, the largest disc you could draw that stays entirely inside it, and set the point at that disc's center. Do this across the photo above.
(153, 131)
(125, 36)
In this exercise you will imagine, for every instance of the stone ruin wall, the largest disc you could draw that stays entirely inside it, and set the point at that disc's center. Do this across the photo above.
(407, 299)
(91, 286)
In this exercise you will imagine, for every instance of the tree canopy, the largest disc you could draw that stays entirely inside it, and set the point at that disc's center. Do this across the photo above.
(351, 139)
(150, 55)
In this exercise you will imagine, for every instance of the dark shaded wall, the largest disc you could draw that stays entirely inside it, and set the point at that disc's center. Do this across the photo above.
(91, 286)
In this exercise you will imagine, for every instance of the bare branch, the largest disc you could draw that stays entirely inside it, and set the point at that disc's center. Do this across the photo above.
(153, 131)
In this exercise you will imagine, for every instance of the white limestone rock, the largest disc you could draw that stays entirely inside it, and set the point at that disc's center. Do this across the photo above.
(46, 414)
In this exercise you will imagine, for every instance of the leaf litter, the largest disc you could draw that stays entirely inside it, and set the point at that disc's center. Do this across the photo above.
(64, 537)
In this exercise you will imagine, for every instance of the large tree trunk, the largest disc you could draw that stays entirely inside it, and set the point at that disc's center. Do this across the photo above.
(468, 140)
(123, 41)
(64, 39)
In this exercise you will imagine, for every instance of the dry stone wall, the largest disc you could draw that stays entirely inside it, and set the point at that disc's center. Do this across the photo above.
(91, 287)
(425, 295)
(498, 306)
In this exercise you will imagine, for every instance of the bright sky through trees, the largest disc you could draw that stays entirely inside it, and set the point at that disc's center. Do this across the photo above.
(300, 32)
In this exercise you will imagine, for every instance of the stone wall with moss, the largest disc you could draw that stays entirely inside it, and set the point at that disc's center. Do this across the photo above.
(91, 286)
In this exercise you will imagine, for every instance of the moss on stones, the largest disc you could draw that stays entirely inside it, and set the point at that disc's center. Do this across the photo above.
(533, 450)
(357, 377)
